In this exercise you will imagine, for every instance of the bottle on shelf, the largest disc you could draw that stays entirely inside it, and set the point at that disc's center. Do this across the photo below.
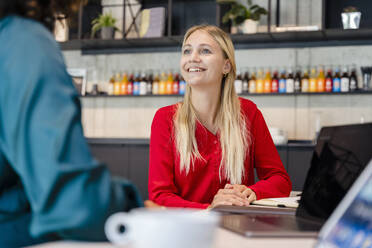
(176, 84)
(290, 82)
(313, 81)
(155, 84)
(149, 80)
(163, 84)
(252, 82)
(297, 80)
(117, 84)
(238, 83)
(320, 87)
(282, 82)
(130, 84)
(267, 81)
(124, 84)
(328, 81)
(345, 80)
(353, 79)
(136, 84)
(275, 82)
(182, 86)
(111, 87)
(143, 84)
(260, 81)
(245, 81)
(336, 83)
(169, 83)
(305, 81)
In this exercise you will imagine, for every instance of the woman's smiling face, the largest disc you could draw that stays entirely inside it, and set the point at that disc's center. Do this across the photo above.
(202, 61)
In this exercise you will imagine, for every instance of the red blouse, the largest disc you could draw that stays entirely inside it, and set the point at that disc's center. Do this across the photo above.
(169, 187)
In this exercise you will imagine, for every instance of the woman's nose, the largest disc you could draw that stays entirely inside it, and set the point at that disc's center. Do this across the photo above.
(195, 56)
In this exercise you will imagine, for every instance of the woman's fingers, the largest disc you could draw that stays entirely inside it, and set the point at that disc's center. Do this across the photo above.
(234, 200)
(252, 197)
(247, 192)
(231, 192)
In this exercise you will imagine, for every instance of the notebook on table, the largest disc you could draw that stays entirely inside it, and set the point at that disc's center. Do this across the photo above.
(340, 155)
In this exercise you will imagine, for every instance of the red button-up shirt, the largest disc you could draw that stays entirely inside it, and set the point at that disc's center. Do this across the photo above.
(170, 187)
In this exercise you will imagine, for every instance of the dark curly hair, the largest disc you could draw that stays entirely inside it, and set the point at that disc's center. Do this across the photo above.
(44, 11)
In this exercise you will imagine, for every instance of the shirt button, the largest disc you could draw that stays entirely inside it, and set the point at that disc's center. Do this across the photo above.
(215, 142)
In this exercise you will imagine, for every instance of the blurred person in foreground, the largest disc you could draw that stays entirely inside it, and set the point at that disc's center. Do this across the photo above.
(51, 188)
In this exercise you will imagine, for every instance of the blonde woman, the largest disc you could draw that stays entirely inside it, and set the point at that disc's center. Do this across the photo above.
(203, 151)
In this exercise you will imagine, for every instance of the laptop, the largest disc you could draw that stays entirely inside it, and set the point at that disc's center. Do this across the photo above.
(341, 154)
(350, 225)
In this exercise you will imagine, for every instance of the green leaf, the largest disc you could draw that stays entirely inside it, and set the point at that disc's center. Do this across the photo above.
(103, 20)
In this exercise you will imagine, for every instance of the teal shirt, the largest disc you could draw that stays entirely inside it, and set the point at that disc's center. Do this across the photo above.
(46, 168)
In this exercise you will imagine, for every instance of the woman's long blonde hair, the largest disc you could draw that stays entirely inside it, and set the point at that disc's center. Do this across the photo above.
(232, 126)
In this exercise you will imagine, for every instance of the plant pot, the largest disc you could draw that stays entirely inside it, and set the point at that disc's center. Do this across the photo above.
(234, 29)
(248, 27)
(351, 20)
(107, 33)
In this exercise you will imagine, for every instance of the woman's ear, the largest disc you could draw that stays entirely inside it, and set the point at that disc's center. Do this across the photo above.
(227, 67)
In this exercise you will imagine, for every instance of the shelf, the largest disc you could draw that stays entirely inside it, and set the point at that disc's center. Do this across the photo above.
(328, 37)
(248, 94)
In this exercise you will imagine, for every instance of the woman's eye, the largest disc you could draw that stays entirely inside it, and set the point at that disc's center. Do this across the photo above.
(205, 51)
(186, 51)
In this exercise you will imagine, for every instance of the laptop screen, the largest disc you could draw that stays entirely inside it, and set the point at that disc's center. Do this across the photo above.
(351, 223)
(341, 154)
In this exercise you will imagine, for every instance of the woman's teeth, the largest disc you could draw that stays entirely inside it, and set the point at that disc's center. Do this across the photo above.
(195, 70)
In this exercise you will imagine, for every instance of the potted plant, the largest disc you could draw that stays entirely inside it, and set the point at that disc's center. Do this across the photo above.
(243, 19)
(351, 18)
(105, 23)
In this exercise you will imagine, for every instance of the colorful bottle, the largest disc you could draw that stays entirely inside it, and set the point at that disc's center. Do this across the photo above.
(345, 81)
(169, 84)
(124, 84)
(176, 83)
(297, 81)
(267, 82)
(336, 84)
(313, 81)
(320, 87)
(155, 84)
(117, 84)
(143, 85)
(182, 86)
(275, 83)
(136, 84)
(252, 83)
(260, 82)
(328, 81)
(111, 86)
(353, 80)
(149, 80)
(290, 82)
(305, 81)
(282, 82)
(130, 84)
(163, 84)
(238, 83)
(245, 82)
